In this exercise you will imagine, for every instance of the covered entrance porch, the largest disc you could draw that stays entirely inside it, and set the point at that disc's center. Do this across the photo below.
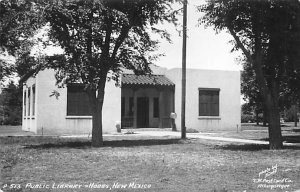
(147, 101)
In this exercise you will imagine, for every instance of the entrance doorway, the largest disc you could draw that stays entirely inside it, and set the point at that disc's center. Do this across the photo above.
(142, 112)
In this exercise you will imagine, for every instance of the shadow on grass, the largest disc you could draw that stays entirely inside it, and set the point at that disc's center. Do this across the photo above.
(117, 143)
(251, 147)
(292, 139)
(295, 130)
(288, 139)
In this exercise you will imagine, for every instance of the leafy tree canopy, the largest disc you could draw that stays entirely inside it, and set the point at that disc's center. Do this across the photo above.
(276, 23)
(101, 37)
(19, 22)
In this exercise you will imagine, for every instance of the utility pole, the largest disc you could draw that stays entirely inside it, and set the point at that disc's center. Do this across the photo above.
(183, 128)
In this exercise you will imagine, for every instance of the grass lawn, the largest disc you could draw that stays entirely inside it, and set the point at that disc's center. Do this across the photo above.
(156, 164)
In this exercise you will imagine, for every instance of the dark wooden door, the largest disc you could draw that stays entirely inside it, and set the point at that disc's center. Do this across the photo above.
(142, 112)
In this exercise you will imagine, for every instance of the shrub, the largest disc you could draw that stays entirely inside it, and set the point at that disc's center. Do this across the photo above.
(13, 117)
(247, 118)
(190, 130)
(260, 117)
(289, 115)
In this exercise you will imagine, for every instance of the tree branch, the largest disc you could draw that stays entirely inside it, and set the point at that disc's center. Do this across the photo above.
(240, 44)
(257, 62)
(120, 39)
(105, 49)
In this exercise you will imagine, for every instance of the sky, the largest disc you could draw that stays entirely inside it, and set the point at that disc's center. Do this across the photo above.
(205, 48)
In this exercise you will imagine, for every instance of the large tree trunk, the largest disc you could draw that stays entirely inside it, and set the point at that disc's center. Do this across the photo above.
(96, 102)
(270, 91)
(97, 138)
(275, 136)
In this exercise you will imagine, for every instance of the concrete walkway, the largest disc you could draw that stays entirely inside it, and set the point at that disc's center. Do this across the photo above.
(205, 136)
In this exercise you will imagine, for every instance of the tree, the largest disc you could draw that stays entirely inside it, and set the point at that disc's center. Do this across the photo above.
(247, 109)
(4, 68)
(268, 33)
(250, 90)
(291, 114)
(19, 22)
(101, 37)
(11, 105)
(291, 101)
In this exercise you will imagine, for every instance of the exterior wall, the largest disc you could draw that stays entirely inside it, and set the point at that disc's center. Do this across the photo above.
(111, 112)
(51, 112)
(229, 103)
(166, 107)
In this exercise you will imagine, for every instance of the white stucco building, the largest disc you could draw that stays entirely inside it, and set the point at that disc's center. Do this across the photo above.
(212, 102)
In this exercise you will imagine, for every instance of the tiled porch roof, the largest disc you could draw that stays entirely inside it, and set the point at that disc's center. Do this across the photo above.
(152, 80)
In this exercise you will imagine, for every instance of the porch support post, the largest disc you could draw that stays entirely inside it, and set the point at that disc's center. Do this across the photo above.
(27, 115)
(31, 107)
(24, 107)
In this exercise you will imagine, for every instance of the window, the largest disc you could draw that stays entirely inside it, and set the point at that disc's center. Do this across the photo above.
(77, 101)
(155, 107)
(209, 102)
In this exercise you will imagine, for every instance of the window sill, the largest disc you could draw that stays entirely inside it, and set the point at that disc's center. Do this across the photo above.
(210, 117)
(79, 117)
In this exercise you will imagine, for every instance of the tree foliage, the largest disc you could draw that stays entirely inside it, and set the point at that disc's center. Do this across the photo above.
(19, 22)
(104, 36)
(11, 105)
(5, 69)
(250, 88)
